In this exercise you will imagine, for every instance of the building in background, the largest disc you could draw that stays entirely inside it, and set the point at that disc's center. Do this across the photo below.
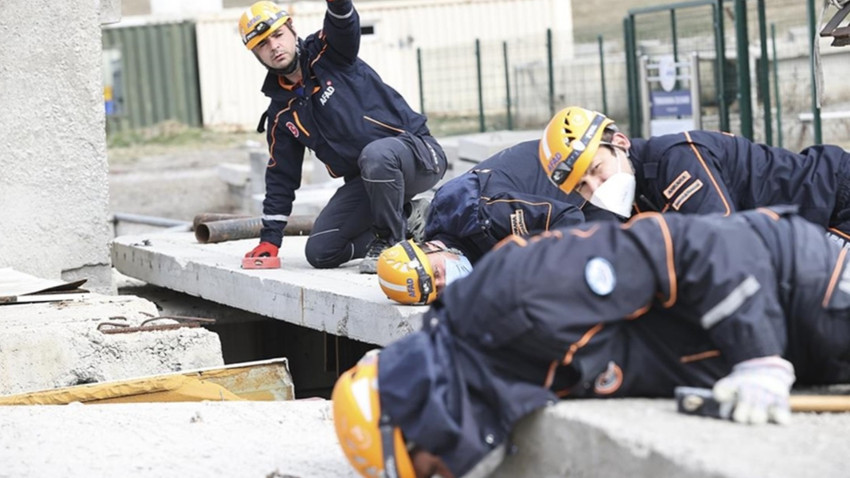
(394, 35)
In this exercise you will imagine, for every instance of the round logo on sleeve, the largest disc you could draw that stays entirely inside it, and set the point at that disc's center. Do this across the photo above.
(599, 275)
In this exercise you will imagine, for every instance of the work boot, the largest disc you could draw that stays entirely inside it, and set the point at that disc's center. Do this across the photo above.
(369, 264)
(418, 213)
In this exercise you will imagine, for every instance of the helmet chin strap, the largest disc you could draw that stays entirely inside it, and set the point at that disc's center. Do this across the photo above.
(290, 69)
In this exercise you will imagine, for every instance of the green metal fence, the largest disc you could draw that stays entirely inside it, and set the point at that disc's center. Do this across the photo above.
(755, 72)
(151, 75)
(517, 84)
(678, 30)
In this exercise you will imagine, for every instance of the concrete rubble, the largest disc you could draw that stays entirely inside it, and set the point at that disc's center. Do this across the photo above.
(57, 343)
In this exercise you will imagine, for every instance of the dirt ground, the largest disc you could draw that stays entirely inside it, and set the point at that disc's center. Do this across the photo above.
(175, 174)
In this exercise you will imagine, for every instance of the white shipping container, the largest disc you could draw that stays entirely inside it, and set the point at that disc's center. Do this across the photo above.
(230, 76)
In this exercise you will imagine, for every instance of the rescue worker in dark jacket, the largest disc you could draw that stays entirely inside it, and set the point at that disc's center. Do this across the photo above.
(505, 194)
(604, 309)
(693, 172)
(325, 98)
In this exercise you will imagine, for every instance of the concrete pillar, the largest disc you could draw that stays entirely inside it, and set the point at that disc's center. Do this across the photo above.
(53, 169)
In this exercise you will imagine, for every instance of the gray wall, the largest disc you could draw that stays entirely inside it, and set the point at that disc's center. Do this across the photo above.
(53, 170)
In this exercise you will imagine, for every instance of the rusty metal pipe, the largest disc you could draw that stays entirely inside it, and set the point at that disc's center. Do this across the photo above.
(215, 216)
(246, 228)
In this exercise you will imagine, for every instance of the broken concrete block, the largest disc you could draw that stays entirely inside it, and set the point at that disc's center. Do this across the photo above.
(57, 344)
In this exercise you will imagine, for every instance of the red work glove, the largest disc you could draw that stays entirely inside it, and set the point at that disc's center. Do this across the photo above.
(265, 249)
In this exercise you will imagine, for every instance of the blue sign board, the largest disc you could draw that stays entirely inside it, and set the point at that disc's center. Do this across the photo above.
(676, 103)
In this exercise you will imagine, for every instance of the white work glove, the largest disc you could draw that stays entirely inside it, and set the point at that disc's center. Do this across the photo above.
(757, 391)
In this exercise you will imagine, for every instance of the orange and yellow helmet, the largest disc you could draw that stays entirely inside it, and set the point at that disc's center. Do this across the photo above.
(405, 274)
(372, 445)
(258, 22)
(569, 143)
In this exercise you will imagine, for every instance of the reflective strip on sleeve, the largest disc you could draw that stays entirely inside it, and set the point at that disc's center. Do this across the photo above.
(731, 303)
(341, 17)
(275, 217)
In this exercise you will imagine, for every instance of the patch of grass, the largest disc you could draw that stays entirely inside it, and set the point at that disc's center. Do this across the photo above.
(170, 137)
(166, 133)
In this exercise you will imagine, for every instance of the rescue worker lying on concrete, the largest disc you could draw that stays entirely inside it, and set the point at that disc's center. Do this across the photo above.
(505, 194)
(693, 172)
(324, 97)
(601, 310)
(417, 273)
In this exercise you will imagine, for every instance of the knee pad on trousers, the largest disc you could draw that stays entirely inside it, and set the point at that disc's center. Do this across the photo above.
(377, 160)
(322, 255)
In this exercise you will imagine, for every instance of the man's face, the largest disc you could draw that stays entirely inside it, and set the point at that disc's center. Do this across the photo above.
(277, 51)
(606, 163)
(438, 266)
(436, 253)
(427, 465)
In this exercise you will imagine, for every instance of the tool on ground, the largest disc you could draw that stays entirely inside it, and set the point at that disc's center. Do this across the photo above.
(246, 228)
(265, 262)
(701, 402)
(264, 256)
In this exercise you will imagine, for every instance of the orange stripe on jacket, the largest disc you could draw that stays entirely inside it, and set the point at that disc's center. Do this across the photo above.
(668, 252)
(834, 278)
(708, 171)
(568, 358)
(273, 161)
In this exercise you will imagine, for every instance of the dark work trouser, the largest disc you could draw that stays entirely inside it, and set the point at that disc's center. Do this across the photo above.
(392, 171)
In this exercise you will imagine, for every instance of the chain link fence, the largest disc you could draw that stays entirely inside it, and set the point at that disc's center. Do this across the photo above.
(519, 83)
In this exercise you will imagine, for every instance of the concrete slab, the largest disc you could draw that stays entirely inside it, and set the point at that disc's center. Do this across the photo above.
(292, 439)
(57, 344)
(642, 437)
(295, 439)
(339, 301)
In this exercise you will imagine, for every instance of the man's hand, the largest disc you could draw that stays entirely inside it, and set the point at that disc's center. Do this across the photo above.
(265, 249)
(757, 391)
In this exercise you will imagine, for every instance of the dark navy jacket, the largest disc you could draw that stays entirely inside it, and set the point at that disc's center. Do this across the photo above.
(612, 310)
(505, 194)
(705, 171)
(343, 106)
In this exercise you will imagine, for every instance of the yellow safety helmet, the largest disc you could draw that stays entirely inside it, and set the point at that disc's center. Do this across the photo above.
(405, 274)
(259, 21)
(569, 143)
(372, 445)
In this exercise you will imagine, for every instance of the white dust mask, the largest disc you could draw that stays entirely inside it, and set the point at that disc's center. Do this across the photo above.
(617, 193)
(457, 269)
